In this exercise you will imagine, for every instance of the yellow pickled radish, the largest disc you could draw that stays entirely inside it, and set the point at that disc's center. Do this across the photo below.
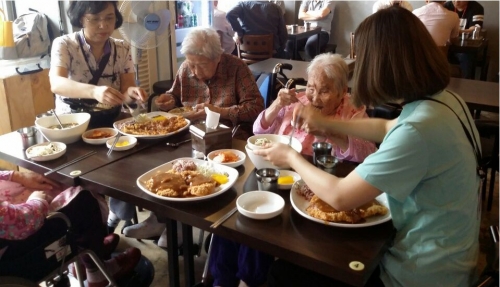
(122, 144)
(159, 118)
(220, 178)
(285, 179)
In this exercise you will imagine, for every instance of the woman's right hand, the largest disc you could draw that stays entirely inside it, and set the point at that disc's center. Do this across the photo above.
(286, 97)
(165, 102)
(108, 95)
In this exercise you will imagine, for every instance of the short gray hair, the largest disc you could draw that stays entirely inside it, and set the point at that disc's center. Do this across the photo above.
(334, 66)
(202, 42)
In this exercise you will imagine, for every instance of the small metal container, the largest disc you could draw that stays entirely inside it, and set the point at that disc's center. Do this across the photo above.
(295, 28)
(327, 163)
(206, 140)
(308, 25)
(267, 179)
(319, 149)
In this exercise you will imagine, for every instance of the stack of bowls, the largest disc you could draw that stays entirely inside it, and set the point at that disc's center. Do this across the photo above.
(66, 135)
(259, 161)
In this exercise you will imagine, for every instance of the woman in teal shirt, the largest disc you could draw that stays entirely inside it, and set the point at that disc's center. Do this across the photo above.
(425, 164)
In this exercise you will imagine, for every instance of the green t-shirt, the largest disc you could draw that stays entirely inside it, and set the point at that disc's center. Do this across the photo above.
(427, 167)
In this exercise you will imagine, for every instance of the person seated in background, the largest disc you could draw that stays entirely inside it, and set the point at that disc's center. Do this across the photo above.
(381, 4)
(259, 18)
(281, 4)
(471, 15)
(326, 91)
(441, 23)
(208, 78)
(90, 64)
(318, 13)
(426, 164)
(224, 29)
(26, 200)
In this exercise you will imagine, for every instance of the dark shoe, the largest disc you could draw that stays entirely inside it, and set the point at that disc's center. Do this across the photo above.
(127, 262)
(111, 229)
(109, 245)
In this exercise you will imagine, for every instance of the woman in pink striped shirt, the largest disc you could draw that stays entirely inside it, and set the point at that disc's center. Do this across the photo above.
(327, 91)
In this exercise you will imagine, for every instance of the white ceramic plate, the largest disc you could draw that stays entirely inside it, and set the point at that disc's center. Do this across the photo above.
(285, 172)
(231, 172)
(31, 151)
(98, 141)
(300, 204)
(242, 156)
(117, 125)
(260, 204)
(121, 143)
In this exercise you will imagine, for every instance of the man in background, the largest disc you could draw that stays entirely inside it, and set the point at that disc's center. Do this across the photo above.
(441, 23)
(259, 18)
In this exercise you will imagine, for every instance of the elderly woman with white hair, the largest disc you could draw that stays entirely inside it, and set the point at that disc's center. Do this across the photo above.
(233, 264)
(208, 78)
(327, 91)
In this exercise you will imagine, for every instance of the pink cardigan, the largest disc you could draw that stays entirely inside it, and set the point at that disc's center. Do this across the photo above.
(358, 149)
(20, 218)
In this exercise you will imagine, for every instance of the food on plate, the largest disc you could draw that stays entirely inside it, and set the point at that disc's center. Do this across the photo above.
(99, 134)
(142, 118)
(184, 180)
(262, 142)
(220, 178)
(319, 209)
(64, 126)
(181, 110)
(154, 127)
(288, 179)
(122, 144)
(43, 150)
(226, 157)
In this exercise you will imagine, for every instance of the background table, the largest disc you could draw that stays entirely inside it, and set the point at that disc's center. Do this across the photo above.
(302, 33)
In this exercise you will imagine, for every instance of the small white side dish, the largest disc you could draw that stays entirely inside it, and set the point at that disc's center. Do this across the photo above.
(260, 204)
(98, 141)
(46, 151)
(284, 173)
(129, 142)
(213, 157)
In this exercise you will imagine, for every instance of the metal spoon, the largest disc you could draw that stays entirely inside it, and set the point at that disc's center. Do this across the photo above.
(177, 143)
(57, 118)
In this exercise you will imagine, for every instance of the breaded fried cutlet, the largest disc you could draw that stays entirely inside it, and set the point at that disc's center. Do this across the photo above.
(167, 184)
(319, 209)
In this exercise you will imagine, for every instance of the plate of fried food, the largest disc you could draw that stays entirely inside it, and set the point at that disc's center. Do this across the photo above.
(152, 125)
(311, 207)
(99, 135)
(187, 179)
(229, 157)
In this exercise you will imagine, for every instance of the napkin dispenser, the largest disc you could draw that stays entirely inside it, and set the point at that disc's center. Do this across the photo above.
(205, 139)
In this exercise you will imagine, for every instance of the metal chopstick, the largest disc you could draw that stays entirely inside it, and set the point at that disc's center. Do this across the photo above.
(114, 144)
(70, 162)
(224, 218)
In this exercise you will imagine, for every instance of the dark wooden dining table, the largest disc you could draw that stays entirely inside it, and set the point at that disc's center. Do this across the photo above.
(300, 33)
(325, 249)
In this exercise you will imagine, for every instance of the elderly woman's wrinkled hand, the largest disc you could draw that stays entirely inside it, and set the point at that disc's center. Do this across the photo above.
(34, 180)
(277, 153)
(286, 97)
(165, 102)
(137, 93)
(309, 119)
(108, 95)
(41, 195)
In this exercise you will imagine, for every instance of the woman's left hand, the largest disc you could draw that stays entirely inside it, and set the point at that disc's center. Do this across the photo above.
(137, 93)
(34, 180)
(277, 153)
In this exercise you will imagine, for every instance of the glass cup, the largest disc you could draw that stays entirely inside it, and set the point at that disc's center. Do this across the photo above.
(267, 179)
(321, 148)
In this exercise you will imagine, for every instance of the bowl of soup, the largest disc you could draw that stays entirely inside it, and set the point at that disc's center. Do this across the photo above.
(74, 125)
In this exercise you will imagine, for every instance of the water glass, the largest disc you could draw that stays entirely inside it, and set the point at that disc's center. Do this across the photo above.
(267, 179)
(321, 148)
(27, 136)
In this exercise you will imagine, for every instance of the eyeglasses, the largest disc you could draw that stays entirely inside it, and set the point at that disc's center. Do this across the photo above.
(95, 21)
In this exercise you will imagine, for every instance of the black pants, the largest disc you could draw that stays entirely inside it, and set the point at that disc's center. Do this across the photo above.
(309, 45)
(284, 273)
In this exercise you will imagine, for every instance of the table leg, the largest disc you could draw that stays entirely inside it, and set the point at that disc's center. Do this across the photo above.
(295, 52)
(187, 243)
(173, 256)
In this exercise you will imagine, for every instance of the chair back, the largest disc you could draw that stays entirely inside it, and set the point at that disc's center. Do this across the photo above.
(255, 48)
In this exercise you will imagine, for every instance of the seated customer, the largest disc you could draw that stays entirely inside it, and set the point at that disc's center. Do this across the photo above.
(382, 4)
(213, 79)
(318, 13)
(441, 23)
(327, 91)
(231, 262)
(27, 198)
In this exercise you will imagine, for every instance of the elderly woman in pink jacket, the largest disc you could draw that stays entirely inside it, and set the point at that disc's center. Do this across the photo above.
(327, 91)
(26, 198)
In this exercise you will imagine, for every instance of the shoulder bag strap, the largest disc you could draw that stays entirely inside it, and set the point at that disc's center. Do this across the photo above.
(472, 140)
(96, 75)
